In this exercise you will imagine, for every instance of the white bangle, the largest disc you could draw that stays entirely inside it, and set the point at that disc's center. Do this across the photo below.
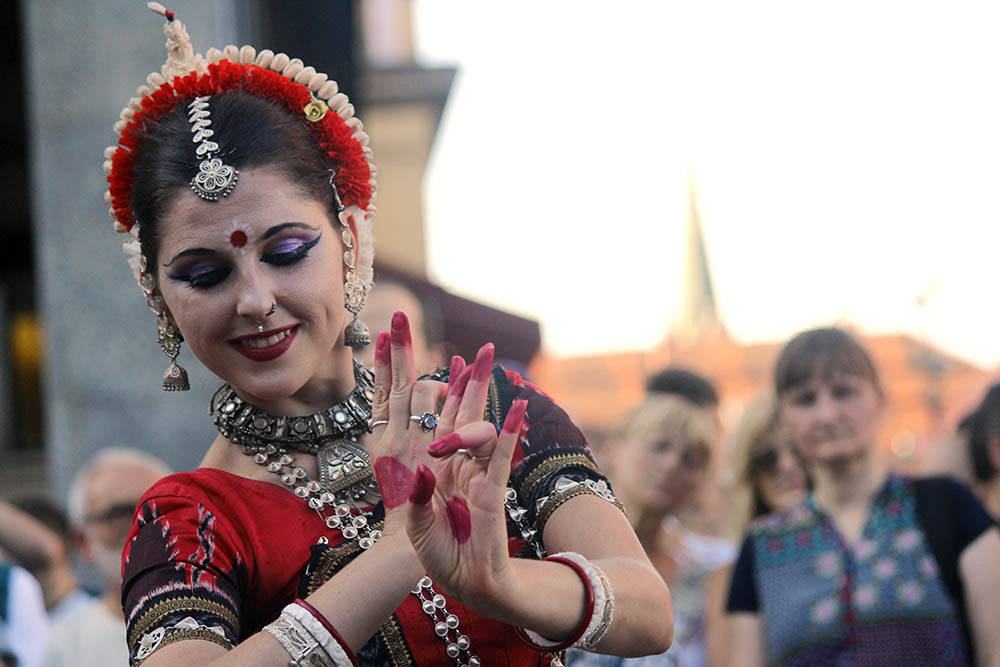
(604, 601)
(604, 606)
(302, 648)
(326, 641)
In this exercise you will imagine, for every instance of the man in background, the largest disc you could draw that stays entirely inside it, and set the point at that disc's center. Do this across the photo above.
(102, 501)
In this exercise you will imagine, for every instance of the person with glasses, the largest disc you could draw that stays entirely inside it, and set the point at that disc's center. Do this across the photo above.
(102, 501)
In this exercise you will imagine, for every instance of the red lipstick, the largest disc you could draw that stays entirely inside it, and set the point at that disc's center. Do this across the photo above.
(271, 351)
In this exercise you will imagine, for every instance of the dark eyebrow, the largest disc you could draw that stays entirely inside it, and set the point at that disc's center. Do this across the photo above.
(285, 225)
(190, 251)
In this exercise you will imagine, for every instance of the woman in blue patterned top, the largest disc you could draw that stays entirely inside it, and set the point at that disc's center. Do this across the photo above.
(874, 568)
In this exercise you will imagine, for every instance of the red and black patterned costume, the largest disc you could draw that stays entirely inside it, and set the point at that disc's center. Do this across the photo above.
(216, 556)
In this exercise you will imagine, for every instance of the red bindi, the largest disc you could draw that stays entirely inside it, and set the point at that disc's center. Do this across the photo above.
(238, 238)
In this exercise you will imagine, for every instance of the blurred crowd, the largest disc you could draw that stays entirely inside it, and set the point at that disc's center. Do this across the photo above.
(787, 540)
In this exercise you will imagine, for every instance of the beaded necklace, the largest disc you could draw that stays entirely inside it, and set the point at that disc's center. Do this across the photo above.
(346, 485)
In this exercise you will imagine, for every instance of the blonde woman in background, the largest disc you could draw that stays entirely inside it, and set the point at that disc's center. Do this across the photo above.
(658, 465)
(769, 477)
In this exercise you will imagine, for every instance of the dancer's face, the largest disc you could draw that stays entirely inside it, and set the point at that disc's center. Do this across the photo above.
(221, 266)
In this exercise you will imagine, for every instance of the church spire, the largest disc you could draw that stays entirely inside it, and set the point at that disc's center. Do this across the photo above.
(697, 318)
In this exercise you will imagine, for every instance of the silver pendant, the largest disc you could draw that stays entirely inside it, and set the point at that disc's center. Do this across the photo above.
(343, 463)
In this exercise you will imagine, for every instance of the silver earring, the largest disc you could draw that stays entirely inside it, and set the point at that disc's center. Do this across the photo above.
(356, 333)
(175, 378)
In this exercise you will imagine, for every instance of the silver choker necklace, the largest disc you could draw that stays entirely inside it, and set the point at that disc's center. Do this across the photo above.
(253, 429)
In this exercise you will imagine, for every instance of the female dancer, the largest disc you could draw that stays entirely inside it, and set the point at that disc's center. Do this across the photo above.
(338, 519)
(873, 567)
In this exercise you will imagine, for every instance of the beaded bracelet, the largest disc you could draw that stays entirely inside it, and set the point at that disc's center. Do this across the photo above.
(328, 626)
(539, 643)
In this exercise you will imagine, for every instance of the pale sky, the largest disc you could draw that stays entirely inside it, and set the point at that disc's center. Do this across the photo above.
(846, 157)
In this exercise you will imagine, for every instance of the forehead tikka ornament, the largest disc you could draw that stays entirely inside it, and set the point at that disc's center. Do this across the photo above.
(214, 178)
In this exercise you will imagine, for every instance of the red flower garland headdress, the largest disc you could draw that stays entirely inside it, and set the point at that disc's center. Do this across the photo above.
(339, 136)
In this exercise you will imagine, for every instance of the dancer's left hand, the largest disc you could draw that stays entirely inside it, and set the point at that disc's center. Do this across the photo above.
(456, 520)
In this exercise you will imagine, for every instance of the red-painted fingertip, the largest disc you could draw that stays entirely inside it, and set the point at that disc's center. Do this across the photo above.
(423, 485)
(400, 328)
(515, 416)
(457, 366)
(449, 444)
(382, 350)
(483, 363)
(457, 386)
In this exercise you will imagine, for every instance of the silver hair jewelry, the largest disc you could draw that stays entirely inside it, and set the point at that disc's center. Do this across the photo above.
(356, 333)
(214, 178)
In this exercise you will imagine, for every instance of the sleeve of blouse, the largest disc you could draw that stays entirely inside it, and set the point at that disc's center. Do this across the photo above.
(743, 588)
(182, 576)
(553, 461)
(973, 519)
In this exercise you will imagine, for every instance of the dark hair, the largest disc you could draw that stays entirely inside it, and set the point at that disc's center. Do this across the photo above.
(250, 131)
(822, 351)
(49, 514)
(985, 424)
(45, 511)
(684, 383)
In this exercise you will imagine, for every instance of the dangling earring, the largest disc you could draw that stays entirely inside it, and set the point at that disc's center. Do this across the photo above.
(175, 378)
(356, 333)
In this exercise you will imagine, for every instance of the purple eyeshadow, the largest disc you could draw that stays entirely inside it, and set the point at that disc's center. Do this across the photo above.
(288, 245)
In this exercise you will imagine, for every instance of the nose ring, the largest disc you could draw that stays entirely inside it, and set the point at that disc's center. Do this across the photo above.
(260, 322)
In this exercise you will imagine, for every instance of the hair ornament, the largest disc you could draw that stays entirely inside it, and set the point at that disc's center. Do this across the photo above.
(339, 136)
(315, 110)
(214, 179)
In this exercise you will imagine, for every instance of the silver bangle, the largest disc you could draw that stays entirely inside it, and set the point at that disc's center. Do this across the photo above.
(327, 642)
(302, 647)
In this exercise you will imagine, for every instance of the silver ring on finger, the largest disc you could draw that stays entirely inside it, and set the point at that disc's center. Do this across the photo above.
(427, 421)
(380, 422)
(471, 455)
